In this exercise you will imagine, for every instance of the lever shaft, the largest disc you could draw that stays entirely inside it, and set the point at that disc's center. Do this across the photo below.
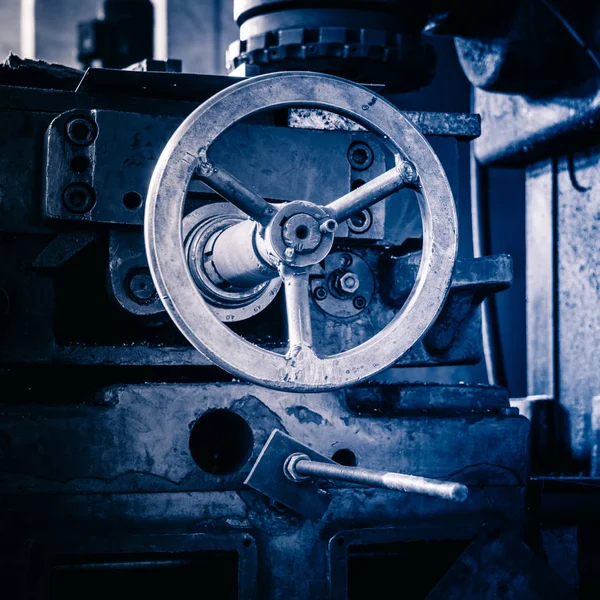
(299, 466)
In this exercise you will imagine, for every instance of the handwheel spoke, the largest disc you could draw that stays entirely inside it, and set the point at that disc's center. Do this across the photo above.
(234, 191)
(297, 303)
(370, 193)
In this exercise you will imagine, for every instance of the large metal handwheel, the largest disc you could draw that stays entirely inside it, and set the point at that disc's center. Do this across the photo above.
(286, 240)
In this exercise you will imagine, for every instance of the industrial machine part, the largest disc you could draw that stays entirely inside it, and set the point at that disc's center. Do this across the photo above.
(372, 42)
(288, 240)
(150, 476)
(287, 471)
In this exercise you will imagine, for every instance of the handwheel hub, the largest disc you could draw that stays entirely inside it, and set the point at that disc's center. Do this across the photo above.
(300, 234)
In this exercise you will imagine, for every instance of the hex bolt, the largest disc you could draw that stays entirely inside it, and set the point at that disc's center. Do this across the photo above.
(320, 293)
(290, 253)
(140, 286)
(80, 131)
(79, 198)
(348, 283)
(360, 156)
(408, 171)
(359, 302)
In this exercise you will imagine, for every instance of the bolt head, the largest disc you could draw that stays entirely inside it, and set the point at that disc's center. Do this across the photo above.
(359, 302)
(140, 286)
(320, 293)
(290, 253)
(349, 283)
(346, 260)
(360, 156)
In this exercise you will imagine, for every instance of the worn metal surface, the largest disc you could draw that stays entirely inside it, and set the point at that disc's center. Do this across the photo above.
(128, 145)
(130, 283)
(366, 41)
(119, 471)
(303, 369)
(289, 472)
(464, 126)
(423, 398)
(268, 477)
(520, 131)
(121, 422)
(578, 286)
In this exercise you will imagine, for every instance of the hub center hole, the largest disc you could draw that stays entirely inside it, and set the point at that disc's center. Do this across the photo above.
(302, 232)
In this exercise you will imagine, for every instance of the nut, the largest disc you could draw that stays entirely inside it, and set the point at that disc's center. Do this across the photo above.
(348, 283)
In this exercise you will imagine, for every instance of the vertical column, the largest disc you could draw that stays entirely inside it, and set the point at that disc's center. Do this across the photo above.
(161, 24)
(578, 300)
(540, 266)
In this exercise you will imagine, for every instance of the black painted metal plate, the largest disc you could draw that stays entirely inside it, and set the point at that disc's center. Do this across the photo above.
(268, 477)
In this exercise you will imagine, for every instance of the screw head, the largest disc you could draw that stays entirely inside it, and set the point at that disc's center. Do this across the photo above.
(79, 198)
(346, 260)
(359, 302)
(320, 293)
(140, 287)
(290, 253)
(360, 156)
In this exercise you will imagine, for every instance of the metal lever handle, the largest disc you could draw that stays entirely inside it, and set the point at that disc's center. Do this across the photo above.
(299, 467)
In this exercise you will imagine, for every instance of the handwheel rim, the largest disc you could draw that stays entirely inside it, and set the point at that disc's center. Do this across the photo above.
(303, 371)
